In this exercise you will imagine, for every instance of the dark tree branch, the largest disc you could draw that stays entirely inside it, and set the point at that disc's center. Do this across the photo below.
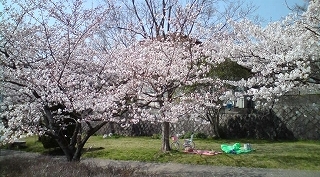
(138, 17)
(15, 83)
(154, 20)
(313, 31)
(128, 29)
(5, 53)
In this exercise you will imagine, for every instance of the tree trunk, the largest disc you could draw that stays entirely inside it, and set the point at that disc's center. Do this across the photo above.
(68, 152)
(165, 137)
(81, 141)
(54, 132)
(216, 123)
(72, 147)
(213, 116)
(77, 154)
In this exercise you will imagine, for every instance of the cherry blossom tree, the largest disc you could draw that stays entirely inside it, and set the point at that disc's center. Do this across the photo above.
(284, 55)
(280, 57)
(170, 50)
(53, 78)
(158, 70)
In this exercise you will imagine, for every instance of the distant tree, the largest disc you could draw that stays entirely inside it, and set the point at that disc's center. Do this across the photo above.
(229, 70)
(226, 71)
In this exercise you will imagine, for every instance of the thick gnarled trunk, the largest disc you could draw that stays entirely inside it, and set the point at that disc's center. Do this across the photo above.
(72, 146)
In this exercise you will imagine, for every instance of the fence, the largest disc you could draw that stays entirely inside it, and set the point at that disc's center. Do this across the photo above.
(292, 117)
(300, 114)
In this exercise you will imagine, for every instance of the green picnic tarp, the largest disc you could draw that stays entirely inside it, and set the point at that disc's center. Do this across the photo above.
(234, 149)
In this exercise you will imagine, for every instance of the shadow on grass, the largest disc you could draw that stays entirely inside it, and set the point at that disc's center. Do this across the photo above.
(59, 152)
(54, 152)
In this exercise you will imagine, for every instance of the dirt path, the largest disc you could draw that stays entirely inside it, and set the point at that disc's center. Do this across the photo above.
(174, 169)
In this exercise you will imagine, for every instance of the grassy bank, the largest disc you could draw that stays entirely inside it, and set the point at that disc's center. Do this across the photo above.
(303, 155)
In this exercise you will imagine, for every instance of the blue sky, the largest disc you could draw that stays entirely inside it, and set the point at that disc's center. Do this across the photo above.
(269, 10)
(273, 10)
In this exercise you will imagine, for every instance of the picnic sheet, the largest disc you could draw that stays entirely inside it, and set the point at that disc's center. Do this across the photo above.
(234, 149)
(203, 152)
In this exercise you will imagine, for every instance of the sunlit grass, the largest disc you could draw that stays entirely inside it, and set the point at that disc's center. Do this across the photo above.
(303, 155)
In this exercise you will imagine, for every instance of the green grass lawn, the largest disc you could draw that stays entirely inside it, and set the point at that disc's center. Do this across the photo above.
(303, 155)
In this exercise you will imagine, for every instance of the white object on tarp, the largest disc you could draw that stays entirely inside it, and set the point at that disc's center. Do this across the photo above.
(247, 146)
